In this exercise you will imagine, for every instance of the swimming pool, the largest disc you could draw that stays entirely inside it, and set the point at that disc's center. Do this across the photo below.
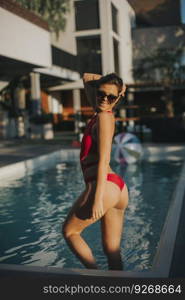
(32, 208)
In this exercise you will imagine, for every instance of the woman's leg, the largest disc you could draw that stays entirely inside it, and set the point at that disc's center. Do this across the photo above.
(77, 220)
(112, 228)
(80, 217)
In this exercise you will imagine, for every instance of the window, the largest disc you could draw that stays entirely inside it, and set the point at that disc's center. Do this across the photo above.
(183, 11)
(116, 56)
(87, 14)
(89, 53)
(114, 18)
(64, 59)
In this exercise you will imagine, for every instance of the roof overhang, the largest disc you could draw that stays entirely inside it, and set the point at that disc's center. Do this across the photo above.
(59, 72)
(78, 84)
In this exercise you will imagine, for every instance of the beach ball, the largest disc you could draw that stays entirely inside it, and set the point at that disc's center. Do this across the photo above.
(127, 148)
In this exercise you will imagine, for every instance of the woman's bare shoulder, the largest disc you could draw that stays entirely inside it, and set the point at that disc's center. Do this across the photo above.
(105, 120)
(105, 115)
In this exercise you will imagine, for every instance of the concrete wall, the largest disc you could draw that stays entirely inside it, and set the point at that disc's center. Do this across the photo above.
(66, 40)
(125, 21)
(32, 45)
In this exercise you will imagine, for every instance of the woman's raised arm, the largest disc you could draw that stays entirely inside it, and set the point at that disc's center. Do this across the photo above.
(90, 90)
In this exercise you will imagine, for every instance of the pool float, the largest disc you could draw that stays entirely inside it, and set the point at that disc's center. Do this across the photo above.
(126, 148)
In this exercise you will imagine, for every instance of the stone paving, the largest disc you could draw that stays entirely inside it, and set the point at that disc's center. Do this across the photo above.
(15, 150)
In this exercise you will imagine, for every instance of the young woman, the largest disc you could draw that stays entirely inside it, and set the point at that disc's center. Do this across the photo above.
(106, 195)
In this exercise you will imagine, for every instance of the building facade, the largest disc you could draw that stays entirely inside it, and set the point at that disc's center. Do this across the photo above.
(29, 63)
(97, 39)
(98, 32)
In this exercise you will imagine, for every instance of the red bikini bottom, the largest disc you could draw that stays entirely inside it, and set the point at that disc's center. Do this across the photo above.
(110, 177)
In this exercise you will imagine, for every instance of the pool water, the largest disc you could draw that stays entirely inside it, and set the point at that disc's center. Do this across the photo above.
(32, 210)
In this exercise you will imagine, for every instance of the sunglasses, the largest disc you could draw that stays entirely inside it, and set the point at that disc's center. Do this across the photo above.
(102, 95)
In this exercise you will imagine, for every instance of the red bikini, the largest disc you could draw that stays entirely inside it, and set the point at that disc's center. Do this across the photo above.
(89, 145)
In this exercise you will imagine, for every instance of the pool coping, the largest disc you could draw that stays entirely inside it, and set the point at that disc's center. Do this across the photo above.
(164, 254)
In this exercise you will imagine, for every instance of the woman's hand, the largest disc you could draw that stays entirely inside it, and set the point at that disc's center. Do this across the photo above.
(122, 93)
(91, 76)
(97, 209)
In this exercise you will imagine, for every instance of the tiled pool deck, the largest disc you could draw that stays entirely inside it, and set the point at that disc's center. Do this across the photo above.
(169, 260)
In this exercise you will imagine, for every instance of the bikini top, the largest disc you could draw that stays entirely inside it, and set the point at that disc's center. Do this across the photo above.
(89, 144)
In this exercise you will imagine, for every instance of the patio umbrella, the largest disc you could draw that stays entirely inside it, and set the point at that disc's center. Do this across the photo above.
(127, 148)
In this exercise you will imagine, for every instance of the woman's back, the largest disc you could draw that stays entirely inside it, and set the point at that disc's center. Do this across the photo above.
(89, 155)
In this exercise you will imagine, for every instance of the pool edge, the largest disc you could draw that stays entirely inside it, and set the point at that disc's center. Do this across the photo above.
(164, 254)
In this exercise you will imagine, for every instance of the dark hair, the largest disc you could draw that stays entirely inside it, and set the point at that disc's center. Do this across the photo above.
(111, 78)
